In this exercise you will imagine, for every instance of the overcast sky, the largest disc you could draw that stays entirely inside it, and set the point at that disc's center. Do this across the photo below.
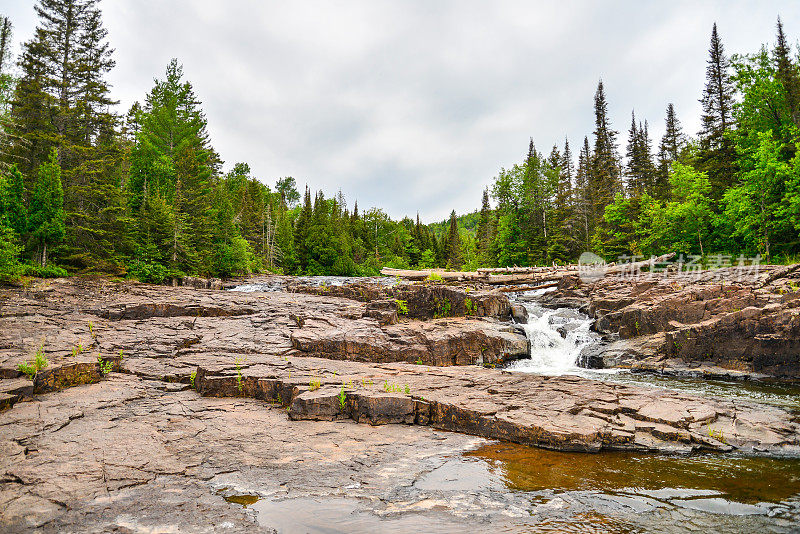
(415, 105)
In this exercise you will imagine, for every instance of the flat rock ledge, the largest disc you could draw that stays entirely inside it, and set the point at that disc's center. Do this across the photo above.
(561, 413)
(456, 341)
(714, 324)
(289, 350)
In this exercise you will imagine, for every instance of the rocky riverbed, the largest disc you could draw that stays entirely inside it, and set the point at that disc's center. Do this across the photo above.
(159, 403)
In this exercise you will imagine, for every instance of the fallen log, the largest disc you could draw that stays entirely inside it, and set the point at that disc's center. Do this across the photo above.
(519, 289)
(635, 267)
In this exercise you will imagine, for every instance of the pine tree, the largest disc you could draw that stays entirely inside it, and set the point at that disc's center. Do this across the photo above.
(62, 100)
(562, 245)
(7, 82)
(716, 155)
(301, 230)
(46, 220)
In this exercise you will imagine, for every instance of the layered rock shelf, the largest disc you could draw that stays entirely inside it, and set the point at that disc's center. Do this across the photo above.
(152, 395)
(327, 357)
(713, 323)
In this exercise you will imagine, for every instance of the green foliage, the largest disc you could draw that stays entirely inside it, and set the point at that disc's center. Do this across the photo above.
(47, 207)
(39, 362)
(47, 271)
(342, 398)
(150, 272)
(106, 366)
(10, 268)
(470, 307)
(395, 388)
(402, 307)
(764, 207)
(441, 308)
(192, 378)
(239, 385)
(314, 384)
(148, 194)
(434, 277)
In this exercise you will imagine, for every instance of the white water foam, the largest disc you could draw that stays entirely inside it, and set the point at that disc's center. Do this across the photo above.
(557, 337)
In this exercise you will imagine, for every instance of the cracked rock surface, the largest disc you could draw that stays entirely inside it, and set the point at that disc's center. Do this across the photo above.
(214, 392)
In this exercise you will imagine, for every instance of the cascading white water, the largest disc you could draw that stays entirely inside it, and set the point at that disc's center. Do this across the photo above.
(557, 338)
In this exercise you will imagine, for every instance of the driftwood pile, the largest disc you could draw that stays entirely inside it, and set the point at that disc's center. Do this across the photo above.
(532, 277)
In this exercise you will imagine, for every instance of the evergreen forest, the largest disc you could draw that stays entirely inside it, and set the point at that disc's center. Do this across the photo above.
(86, 188)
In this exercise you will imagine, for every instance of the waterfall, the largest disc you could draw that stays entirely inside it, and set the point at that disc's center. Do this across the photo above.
(557, 338)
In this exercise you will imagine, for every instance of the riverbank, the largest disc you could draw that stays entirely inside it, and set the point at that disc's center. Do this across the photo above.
(200, 392)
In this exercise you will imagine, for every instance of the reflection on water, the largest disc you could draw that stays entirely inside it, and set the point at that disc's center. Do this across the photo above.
(775, 394)
(512, 488)
(662, 477)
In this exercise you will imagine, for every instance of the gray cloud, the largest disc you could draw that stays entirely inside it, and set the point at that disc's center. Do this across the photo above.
(414, 106)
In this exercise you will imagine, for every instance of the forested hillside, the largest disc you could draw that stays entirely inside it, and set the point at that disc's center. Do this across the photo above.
(143, 193)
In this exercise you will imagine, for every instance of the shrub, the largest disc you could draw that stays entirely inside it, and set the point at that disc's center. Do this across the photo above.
(402, 307)
(148, 272)
(48, 271)
(39, 362)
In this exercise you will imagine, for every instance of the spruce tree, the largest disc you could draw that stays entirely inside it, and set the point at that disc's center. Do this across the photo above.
(484, 235)
(640, 169)
(717, 155)
(584, 196)
(7, 82)
(672, 143)
(46, 221)
(787, 74)
(62, 100)
(604, 171)
(562, 243)
(455, 258)
(12, 202)
(301, 230)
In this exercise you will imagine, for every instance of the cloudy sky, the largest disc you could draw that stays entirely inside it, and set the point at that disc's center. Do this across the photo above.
(415, 105)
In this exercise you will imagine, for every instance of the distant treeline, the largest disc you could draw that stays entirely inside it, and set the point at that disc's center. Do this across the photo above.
(86, 190)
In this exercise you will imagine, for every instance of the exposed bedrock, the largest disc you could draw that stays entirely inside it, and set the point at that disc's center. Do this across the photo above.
(563, 413)
(457, 341)
(421, 300)
(710, 323)
(368, 373)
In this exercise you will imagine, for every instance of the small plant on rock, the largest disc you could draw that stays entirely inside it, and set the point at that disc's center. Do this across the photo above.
(106, 366)
(77, 349)
(470, 307)
(342, 398)
(402, 307)
(314, 384)
(442, 309)
(434, 277)
(239, 385)
(192, 377)
(408, 390)
(91, 330)
(39, 362)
